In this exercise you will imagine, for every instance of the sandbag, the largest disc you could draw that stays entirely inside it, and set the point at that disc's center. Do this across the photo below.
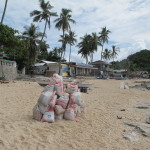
(37, 115)
(72, 87)
(74, 107)
(58, 79)
(75, 98)
(59, 89)
(48, 116)
(53, 101)
(63, 101)
(45, 97)
(69, 114)
(59, 110)
(43, 108)
(59, 117)
(49, 88)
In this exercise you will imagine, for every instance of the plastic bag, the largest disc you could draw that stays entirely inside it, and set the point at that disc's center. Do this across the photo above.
(48, 116)
(69, 114)
(37, 115)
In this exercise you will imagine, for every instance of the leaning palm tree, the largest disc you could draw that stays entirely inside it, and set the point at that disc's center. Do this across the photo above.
(32, 36)
(71, 40)
(44, 14)
(115, 51)
(107, 54)
(103, 38)
(4, 11)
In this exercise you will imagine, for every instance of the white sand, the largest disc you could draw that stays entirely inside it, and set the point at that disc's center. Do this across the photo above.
(97, 129)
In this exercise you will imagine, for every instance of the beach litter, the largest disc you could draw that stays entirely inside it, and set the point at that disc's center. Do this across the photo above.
(58, 102)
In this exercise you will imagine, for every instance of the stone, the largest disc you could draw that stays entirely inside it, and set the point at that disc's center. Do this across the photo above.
(143, 128)
(131, 137)
(148, 120)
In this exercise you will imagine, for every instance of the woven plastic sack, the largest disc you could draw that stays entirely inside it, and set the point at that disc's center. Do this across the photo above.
(52, 102)
(72, 87)
(63, 100)
(45, 97)
(75, 98)
(37, 115)
(43, 108)
(69, 114)
(59, 110)
(59, 117)
(48, 116)
(59, 89)
(49, 88)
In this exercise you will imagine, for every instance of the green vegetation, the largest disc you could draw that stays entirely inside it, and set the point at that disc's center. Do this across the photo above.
(136, 62)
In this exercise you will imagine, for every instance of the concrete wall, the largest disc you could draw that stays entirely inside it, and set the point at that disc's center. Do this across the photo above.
(8, 69)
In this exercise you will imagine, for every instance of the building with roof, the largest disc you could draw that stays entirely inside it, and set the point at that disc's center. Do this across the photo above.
(8, 69)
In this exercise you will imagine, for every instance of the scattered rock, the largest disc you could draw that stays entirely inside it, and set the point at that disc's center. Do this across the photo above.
(119, 117)
(131, 137)
(143, 128)
(145, 105)
(122, 110)
(148, 120)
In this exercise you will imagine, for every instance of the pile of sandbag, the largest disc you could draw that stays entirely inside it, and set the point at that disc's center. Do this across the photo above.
(57, 102)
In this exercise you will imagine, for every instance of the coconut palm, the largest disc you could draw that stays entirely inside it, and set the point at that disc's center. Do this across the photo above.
(44, 14)
(103, 38)
(71, 41)
(94, 44)
(85, 46)
(64, 40)
(32, 36)
(115, 51)
(4, 11)
(63, 22)
(107, 54)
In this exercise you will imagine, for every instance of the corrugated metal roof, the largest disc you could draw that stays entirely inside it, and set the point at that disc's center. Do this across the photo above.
(39, 64)
(49, 62)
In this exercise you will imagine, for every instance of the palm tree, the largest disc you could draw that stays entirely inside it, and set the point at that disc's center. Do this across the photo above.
(85, 46)
(64, 40)
(114, 53)
(32, 36)
(45, 14)
(4, 11)
(103, 38)
(71, 41)
(63, 23)
(107, 54)
(94, 44)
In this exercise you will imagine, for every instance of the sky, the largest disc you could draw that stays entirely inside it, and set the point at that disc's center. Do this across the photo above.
(128, 21)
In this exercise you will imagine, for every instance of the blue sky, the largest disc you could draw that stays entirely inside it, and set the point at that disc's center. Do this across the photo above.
(128, 21)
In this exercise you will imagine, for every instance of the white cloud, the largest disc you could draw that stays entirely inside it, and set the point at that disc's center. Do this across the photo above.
(128, 21)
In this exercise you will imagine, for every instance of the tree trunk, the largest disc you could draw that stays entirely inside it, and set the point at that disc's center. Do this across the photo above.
(70, 54)
(4, 11)
(61, 54)
(44, 31)
(102, 53)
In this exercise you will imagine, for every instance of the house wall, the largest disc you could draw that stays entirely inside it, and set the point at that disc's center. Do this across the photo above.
(8, 69)
(40, 70)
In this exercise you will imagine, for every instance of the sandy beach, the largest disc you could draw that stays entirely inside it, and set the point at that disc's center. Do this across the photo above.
(97, 129)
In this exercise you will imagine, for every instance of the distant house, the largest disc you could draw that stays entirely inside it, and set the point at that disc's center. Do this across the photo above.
(102, 66)
(48, 68)
(80, 69)
(8, 69)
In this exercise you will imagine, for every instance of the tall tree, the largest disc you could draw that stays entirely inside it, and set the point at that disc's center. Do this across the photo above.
(44, 14)
(32, 36)
(63, 23)
(4, 12)
(71, 41)
(107, 54)
(85, 46)
(94, 44)
(103, 38)
(115, 51)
